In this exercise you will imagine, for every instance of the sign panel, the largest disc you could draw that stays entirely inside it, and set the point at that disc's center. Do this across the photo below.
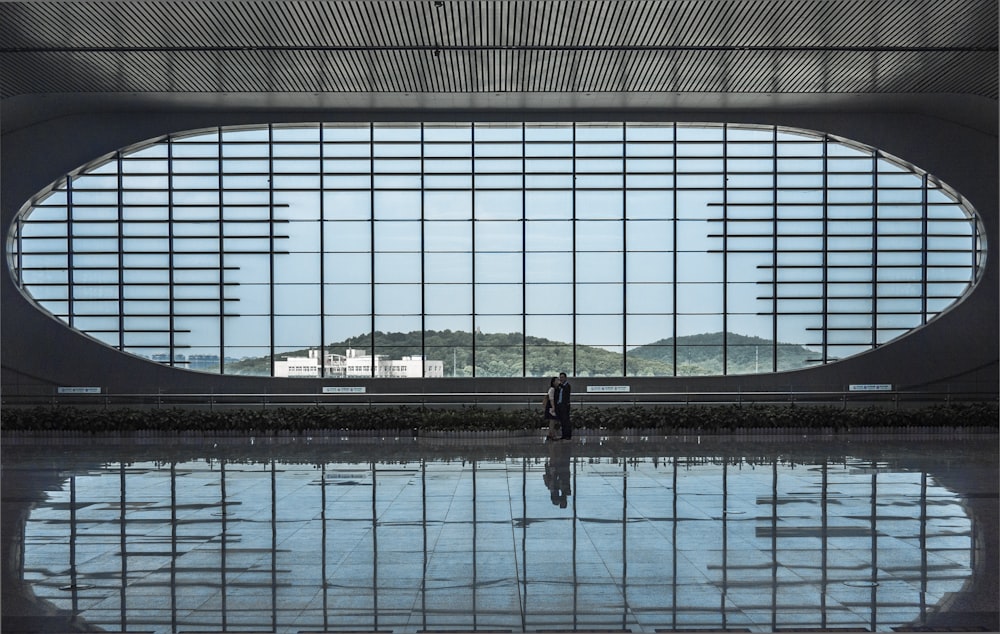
(343, 389)
(78, 390)
(870, 387)
(608, 388)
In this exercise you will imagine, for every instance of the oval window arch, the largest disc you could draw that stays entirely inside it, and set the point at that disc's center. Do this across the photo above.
(441, 250)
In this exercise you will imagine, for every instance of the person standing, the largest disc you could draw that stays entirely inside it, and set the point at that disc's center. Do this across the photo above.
(549, 405)
(563, 393)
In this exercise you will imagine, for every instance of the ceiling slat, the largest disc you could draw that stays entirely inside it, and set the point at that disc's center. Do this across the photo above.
(865, 46)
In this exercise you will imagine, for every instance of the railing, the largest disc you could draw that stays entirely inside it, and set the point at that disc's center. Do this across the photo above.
(509, 400)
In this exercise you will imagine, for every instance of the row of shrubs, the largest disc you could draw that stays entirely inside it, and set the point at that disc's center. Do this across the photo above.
(416, 419)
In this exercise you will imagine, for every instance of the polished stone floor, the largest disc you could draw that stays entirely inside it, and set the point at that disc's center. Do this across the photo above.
(751, 534)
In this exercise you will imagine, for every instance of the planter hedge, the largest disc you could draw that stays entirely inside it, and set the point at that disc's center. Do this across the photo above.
(415, 420)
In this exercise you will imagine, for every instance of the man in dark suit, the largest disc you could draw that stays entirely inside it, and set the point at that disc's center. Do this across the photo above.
(563, 393)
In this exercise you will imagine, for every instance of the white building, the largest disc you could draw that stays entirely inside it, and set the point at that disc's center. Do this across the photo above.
(298, 367)
(358, 364)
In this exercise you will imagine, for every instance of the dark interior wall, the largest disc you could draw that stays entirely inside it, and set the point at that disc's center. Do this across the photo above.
(957, 351)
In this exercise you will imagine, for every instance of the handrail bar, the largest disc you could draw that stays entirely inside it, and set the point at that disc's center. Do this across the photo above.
(495, 398)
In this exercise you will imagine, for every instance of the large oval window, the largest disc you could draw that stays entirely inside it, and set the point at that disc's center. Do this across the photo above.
(399, 250)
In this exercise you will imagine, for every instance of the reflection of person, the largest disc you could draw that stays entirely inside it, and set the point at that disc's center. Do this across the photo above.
(549, 405)
(557, 475)
(563, 392)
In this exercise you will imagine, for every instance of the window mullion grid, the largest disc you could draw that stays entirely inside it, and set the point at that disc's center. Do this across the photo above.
(371, 223)
(322, 253)
(673, 287)
(475, 283)
(624, 193)
(423, 254)
(575, 256)
(524, 251)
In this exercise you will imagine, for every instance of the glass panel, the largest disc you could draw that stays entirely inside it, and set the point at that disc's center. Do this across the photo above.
(298, 332)
(548, 204)
(396, 205)
(599, 298)
(447, 267)
(348, 331)
(553, 328)
(499, 204)
(548, 267)
(499, 236)
(499, 299)
(498, 267)
(649, 298)
(453, 205)
(398, 299)
(397, 236)
(347, 299)
(347, 267)
(297, 299)
(599, 267)
(548, 298)
(448, 299)
(397, 267)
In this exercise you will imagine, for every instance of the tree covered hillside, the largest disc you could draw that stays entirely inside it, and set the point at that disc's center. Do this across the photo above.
(503, 354)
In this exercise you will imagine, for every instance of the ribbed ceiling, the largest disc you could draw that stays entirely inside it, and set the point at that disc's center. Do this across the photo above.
(451, 46)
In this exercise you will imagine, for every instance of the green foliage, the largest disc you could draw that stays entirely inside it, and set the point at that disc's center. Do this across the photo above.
(501, 354)
(416, 420)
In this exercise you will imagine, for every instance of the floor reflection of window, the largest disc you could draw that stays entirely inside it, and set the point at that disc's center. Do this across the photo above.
(640, 543)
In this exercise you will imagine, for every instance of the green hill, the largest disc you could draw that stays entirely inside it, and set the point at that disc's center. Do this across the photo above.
(503, 354)
(701, 355)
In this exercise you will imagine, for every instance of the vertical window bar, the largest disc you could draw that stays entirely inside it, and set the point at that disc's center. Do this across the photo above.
(725, 250)
(371, 223)
(572, 371)
(270, 233)
(475, 283)
(121, 254)
(222, 254)
(824, 356)
(875, 216)
(322, 252)
(70, 264)
(875, 251)
(673, 287)
(18, 246)
(924, 247)
(423, 254)
(774, 250)
(524, 247)
(171, 297)
(624, 192)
